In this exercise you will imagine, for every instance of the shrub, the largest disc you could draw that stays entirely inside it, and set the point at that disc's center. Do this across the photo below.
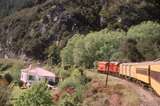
(78, 74)
(64, 73)
(76, 79)
(8, 77)
(71, 100)
(37, 95)
(73, 87)
(69, 82)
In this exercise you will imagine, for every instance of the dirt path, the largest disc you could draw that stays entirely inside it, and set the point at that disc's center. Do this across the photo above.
(146, 98)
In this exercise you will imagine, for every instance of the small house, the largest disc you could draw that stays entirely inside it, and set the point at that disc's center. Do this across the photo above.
(31, 75)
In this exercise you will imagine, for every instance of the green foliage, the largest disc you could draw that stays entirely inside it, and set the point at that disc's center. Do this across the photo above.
(147, 39)
(63, 73)
(77, 80)
(12, 67)
(72, 100)
(84, 51)
(70, 82)
(35, 25)
(15, 73)
(5, 96)
(131, 51)
(37, 95)
(67, 52)
(140, 43)
(4, 67)
(53, 55)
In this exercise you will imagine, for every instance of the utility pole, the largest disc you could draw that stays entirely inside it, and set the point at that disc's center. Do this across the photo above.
(107, 72)
(107, 65)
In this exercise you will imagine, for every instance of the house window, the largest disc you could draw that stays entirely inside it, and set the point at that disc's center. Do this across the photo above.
(31, 77)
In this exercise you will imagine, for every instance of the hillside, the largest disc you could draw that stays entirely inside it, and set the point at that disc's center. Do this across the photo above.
(32, 27)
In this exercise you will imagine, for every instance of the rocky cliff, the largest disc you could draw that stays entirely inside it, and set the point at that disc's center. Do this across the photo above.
(31, 29)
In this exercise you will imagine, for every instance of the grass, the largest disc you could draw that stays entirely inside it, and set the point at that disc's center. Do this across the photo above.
(10, 64)
(16, 92)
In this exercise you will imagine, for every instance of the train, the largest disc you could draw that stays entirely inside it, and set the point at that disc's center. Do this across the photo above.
(147, 73)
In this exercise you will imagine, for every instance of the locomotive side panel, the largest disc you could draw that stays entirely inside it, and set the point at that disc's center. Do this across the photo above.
(102, 66)
(155, 77)
(114, 67)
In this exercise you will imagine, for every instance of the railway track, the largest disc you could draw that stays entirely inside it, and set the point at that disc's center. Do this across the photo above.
(146, 95)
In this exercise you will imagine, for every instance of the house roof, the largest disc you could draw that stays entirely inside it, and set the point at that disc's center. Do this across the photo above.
(38, 71)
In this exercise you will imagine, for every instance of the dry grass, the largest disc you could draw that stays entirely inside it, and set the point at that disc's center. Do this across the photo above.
(115, 94)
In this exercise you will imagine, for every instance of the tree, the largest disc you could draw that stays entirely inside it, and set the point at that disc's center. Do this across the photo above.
(147, 36)
(67, 52)
(53, 54)
(84, 51)
(131, 51)
(37, 95)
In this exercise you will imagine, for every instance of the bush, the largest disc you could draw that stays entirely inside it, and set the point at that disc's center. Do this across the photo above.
(8, 77)
(76, 81)
(72, 100)
(64, 73)
(69, 82)
(37, 95)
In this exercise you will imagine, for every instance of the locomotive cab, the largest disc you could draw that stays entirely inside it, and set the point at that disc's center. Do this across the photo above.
(102, 66)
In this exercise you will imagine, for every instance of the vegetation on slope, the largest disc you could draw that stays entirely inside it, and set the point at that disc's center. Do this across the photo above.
(10, 69)
(35, 28)
(37, 95)
(140, 43)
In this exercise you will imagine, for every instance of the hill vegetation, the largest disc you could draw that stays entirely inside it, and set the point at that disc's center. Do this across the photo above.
(39, 29)
(140, 43)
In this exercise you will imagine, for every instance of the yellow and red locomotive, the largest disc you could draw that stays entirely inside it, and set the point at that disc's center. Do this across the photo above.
(146, 72)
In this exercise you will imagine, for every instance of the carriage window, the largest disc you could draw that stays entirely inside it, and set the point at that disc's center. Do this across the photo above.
(31, 77)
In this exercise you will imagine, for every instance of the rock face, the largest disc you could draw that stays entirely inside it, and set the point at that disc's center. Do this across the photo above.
(30, 31)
